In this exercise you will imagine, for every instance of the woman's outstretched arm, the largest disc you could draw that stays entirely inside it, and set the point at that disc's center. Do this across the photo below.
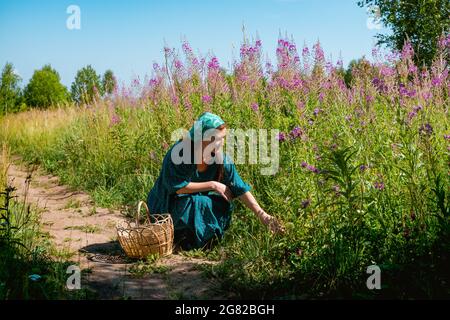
(249, 200)
(193, 187)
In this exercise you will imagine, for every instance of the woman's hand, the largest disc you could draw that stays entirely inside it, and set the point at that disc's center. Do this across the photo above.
(223, 190)
(271, 222)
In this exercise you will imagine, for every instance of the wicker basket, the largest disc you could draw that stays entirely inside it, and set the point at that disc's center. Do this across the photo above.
(153, 237)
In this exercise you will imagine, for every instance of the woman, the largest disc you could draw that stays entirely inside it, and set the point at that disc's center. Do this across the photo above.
(199, 194)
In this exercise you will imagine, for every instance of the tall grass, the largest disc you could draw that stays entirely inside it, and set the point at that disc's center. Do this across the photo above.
(363, 173)
(27, 271)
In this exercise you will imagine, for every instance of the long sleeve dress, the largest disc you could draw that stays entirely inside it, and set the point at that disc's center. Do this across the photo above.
(197, 217)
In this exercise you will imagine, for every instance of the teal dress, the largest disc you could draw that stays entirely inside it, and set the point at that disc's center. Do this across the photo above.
(197, 217)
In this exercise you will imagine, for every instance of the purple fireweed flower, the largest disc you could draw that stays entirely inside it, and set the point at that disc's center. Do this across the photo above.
(447, 136)
(115, 119)
(312, 168)
(369, 98)
(316, 111)
(178, 64)
(426, 129)
(281, 137)
(436, 82)
(411, 115)
(320, 98)
(254, 106)
(427, 95)
(213, 64)
(379, 185)
(206, 99)
(362, 168)
(186, 47)
(304, 164)
(407, 51)
(318, 52)
(296, 132)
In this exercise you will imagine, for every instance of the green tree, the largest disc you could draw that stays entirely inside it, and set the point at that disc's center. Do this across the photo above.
(420, 21)
(109, 82)
(45, 89)
(86, 86)
(10, 93)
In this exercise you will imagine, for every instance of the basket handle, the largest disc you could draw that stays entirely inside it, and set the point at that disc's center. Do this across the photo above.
(139, 210)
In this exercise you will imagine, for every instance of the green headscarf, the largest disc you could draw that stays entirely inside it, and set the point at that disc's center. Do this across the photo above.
(207, 121)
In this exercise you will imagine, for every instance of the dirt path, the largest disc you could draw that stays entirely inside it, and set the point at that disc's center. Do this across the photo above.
(86, 235)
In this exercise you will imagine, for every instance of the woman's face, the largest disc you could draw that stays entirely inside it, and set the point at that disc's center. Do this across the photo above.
(214, 146)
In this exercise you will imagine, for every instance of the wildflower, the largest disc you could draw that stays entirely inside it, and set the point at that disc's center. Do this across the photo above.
(213, 64)
(254, 106)
(413, 215)
(426, 129)
(362, 168)
(178, 64)
(427, 95)
(316, 111)
(312, 169)
(282, 137)
(304, 164)
(115, 119)
(447, 136)
(186, 47)
(379, 185)
(296, 132)
(206, 99)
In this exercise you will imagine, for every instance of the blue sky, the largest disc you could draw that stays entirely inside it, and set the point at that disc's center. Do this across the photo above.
(128, 36)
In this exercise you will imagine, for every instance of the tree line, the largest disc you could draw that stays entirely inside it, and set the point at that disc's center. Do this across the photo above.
(45, 88)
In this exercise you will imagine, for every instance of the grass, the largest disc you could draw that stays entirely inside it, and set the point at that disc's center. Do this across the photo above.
(362, 180)
(88, 228)
(150, 266)
(72, 204)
